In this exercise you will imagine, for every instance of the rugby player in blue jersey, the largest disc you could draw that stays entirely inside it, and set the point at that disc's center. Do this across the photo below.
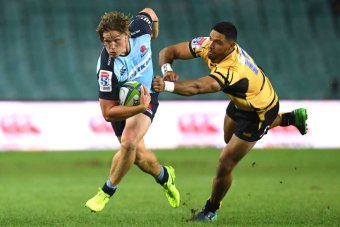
(126, 56)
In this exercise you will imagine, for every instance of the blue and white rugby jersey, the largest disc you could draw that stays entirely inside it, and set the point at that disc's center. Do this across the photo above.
(136, 66)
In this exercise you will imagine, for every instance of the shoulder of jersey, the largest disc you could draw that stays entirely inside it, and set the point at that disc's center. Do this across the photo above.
(200, 42)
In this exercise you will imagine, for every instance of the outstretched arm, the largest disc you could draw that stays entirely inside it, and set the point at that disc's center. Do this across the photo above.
(177, 51)
(202, 85)
(168, 54)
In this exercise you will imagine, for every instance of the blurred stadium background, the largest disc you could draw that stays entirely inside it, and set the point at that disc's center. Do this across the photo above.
(49, 49)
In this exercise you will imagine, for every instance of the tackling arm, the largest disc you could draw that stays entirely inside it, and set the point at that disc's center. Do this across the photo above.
(202, 85)
(167, 56)
(177, 51)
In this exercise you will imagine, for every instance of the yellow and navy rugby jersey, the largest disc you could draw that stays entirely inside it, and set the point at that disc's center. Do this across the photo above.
(239, 76)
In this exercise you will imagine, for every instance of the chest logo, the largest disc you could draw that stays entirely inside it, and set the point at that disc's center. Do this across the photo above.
(143, 49)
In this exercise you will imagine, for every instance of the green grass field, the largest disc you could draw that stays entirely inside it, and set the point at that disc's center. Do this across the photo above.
(271, 188)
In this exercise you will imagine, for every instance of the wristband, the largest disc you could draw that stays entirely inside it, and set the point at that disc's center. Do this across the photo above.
(169, 86)
(166, 68)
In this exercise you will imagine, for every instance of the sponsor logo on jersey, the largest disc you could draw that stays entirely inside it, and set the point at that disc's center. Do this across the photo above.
(141, 67)
(105, 81)
(196, 42)
(122, 70)
(245, 59)
(143, 49)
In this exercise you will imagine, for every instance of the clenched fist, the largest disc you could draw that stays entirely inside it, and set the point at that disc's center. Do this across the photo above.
(170, 76)
(158, 84)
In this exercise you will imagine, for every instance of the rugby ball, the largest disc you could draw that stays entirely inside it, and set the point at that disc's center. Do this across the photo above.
(129, 93)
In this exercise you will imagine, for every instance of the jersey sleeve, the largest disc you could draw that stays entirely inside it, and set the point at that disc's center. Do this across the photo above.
(141, 25)
(108, 83)
(198, 46)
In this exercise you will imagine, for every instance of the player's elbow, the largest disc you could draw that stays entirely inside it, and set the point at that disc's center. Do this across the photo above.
(166, 54)
(155, 30)
(109, 109)
(107, 118)
(151, 13)
(163, 52)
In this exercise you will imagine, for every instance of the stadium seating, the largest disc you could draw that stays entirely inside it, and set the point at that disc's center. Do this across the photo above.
(49, 49)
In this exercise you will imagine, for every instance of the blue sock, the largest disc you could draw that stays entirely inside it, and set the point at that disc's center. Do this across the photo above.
(108, 188)
(163, 176)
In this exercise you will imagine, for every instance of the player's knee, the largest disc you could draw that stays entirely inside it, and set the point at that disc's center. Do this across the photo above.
(127, 146)
(226, 164)
(222, 170)
(140, 157)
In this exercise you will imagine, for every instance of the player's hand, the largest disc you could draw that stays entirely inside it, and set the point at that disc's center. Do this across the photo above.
(145, 97)
(158, 84)
(170, 76)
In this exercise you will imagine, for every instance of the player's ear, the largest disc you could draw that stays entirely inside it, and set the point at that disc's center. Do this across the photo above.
(231, 46)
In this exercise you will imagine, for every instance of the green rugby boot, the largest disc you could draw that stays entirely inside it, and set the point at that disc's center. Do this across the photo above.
(170, 189)
(300, 120)
(98, 202)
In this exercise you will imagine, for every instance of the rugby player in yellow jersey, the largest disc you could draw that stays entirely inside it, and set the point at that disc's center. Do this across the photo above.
(254, 105)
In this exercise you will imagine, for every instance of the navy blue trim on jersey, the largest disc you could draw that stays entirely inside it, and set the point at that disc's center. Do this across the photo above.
(141, 25)
(106, 63)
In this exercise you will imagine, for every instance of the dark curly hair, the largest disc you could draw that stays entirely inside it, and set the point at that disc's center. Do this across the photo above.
(113, 21)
